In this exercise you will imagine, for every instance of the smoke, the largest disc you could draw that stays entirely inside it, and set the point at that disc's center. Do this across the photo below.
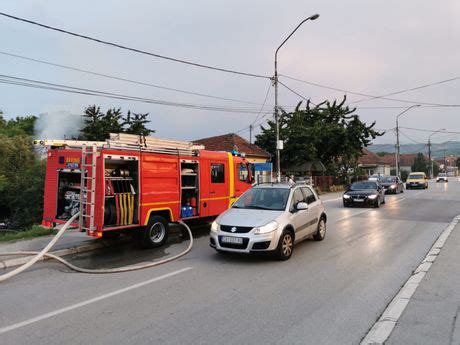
(58, 125)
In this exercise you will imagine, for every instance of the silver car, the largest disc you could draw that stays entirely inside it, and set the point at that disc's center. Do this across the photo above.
(270, 218)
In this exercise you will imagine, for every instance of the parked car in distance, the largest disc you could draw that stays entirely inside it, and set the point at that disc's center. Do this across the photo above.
(375, 177)
(369, 193)
(442, 177)
(270, 218)
(392, 184)
(417, 180)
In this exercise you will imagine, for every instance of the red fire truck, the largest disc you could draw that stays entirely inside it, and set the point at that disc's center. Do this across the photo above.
(138, 183)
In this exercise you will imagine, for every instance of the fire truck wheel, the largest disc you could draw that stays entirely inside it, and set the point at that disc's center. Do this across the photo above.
(155, 234)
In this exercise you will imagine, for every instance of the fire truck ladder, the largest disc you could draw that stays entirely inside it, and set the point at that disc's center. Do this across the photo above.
(88, 187)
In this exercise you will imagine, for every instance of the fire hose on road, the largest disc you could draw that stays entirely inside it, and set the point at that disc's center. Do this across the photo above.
(44, 253)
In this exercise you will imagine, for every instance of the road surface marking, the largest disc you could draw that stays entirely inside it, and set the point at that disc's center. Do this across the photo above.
(382, 329)
(90, 301)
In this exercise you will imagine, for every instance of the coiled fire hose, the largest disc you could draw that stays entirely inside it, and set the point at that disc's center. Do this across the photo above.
(44, 253)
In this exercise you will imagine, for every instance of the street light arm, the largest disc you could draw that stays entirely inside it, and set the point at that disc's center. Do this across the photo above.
(439, 130)
(313, 17)
(406, 110)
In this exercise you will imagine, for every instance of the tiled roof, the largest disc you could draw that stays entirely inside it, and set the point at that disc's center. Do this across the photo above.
(226, 142)
(405, 159)
(369, 157)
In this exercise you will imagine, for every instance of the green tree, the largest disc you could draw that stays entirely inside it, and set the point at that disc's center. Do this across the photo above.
(136, 124)
(420, 163)
(329, 132)
(21, 173)
(17, 126)
(98, 125)
(382, 153)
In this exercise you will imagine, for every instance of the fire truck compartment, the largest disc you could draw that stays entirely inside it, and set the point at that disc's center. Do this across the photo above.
(121, 193)
(68, 193)
(190, 188)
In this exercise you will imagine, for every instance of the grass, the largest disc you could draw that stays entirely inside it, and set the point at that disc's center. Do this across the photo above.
(34, 231)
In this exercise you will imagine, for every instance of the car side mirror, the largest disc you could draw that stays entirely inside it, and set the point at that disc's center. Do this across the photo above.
(301, 206)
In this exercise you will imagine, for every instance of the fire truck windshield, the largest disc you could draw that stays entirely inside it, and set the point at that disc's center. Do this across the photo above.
(274, 199)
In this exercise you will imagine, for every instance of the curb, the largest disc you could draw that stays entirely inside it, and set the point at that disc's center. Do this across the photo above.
(382, 329)
(62, 252)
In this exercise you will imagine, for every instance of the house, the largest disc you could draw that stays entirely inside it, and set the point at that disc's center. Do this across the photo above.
(373, 164)
(232, 141)
(405, 161)
(448, 161)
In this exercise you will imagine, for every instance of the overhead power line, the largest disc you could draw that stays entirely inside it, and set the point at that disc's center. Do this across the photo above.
(6, 79)
(124, 79)
(408, 137)
(409, 89)
(429, 130)
(376, 107)
(117, 45)
(263, 104)
(368, 95)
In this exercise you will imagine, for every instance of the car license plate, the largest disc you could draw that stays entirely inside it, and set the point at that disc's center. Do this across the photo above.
(235, 240)
(359, 200)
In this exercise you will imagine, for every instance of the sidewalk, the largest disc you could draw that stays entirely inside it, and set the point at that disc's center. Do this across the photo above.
(433, 313)
(71, 242)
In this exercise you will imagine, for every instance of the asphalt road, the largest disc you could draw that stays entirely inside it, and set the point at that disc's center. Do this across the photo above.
(329, 292)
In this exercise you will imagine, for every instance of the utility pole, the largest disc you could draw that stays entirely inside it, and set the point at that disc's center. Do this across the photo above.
(398, 173)
(279, 144)
(250, 134)
(430, 162)
(429, 151)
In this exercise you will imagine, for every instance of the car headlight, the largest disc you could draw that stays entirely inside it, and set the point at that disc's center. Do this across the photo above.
(393, 186)
(346, 196)
(372, 197)
(215, 226)
(267, 228)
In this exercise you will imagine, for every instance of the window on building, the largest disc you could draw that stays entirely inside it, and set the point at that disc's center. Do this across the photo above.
(217, 173)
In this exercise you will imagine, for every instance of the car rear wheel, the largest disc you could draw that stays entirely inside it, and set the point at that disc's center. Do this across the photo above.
(285, 246)
(321, 230)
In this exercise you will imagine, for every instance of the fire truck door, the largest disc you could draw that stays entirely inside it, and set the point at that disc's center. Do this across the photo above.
(219, 181)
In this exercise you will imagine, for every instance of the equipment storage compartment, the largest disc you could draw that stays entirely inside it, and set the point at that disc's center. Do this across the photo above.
(190, 188)
(68, 195)
(121, 207)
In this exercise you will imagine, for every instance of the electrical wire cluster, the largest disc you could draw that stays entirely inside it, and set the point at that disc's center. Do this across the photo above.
(261, 110)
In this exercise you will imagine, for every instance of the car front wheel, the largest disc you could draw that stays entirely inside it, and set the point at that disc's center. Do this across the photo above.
(285, 246)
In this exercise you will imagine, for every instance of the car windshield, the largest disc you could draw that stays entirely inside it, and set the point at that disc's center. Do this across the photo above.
(274, 199)
(389, 179)
(442, 174)
(416, 176)
(363, 185)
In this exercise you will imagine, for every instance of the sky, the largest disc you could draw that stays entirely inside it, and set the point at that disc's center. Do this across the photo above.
(371, 47)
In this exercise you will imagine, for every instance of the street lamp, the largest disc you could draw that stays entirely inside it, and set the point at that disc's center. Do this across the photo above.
(397, 136)
(429, 150)
(279, 144)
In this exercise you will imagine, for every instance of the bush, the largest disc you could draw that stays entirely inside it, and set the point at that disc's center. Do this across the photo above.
(22, 181)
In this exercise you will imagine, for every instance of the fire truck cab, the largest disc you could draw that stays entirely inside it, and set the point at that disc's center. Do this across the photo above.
(131, 183)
